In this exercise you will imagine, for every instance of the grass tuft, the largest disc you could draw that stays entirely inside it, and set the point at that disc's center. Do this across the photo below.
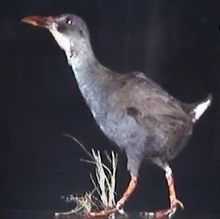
(103, 180)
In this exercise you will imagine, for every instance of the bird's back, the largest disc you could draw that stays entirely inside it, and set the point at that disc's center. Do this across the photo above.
(143, 115)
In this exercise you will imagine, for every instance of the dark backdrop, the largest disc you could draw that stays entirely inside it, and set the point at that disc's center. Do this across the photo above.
(177, 43)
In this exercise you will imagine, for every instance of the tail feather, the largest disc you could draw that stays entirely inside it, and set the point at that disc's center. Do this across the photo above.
(200, 108)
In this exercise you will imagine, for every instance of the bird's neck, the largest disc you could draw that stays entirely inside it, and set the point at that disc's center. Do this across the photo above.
(84, 65)
(90, 75)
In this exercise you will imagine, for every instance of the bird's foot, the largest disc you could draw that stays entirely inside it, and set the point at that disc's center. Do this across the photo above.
(101, 214)
(106, 213)
(163, 214)
(168, 213)
(175, 203)
(120, 203)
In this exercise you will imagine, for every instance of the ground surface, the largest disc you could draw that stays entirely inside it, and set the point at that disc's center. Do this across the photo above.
(29, 214)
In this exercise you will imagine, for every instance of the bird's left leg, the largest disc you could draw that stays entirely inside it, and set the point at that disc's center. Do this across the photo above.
(106, 212)
(130, 189)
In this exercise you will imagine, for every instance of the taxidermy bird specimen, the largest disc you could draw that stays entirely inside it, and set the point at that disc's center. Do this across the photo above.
(134, 112)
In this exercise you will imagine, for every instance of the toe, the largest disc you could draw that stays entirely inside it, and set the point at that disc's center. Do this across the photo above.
(177, 203)
(120, 204)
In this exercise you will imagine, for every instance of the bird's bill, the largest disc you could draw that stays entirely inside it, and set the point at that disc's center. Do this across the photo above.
(39, 21)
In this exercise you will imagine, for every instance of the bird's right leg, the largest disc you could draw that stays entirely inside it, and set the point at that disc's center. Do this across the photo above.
(174, 202)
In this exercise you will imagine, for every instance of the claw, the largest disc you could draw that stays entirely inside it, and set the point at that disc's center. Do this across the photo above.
(177, 203)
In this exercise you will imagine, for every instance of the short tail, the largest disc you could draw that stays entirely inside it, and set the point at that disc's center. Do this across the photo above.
(200, 108)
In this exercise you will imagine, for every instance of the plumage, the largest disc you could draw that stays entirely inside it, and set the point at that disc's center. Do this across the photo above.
(133, 111)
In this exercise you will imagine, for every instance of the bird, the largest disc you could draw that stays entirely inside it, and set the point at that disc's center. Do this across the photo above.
(133, 111)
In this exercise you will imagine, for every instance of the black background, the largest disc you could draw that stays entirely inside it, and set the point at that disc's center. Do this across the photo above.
(177, 43)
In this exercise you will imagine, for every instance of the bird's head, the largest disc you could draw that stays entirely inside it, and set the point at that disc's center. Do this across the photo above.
(70, 32)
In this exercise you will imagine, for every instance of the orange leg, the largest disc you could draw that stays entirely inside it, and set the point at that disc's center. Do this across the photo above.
(105, 213)
(130, 189)
(174, 202)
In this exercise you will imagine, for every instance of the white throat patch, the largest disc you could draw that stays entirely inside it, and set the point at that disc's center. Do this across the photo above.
(62, 41)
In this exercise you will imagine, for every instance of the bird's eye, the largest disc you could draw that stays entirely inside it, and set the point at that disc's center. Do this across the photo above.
(69, 21)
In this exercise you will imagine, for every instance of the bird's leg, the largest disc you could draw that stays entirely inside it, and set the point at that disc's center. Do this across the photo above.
(130, 189)
(107, 212)
(174, 202)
